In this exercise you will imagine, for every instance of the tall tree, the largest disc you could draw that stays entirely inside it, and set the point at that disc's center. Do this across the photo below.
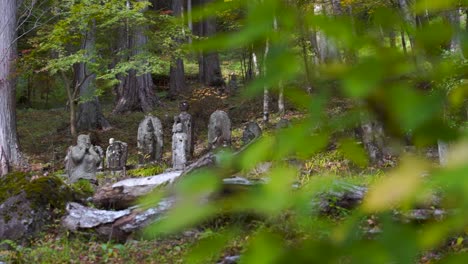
(89, 111)
(177, 75)
(135, 92)
(208, 62)
(10, 155)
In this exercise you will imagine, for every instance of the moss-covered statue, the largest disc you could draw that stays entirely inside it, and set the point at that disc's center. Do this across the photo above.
(82, 160)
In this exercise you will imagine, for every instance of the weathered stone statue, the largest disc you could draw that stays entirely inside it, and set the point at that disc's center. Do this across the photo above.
(116, 155)
(251, 131)
(150, 140)
(179, 145)
(219, 129)
(101, 153)
(232, 84)
(82, 161)
(186, 120)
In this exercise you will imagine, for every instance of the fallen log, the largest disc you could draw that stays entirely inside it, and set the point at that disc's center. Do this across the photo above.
(117, 225)
(123, 194)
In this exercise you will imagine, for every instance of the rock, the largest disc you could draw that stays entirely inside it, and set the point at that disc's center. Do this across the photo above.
(116, 155)
(219, 130)
(283, 123)
(341, 195)
(150, 140)
(26, 205)
(179, 146)
(18, 219)
(230, 260)
(82, 160)
(251, 131)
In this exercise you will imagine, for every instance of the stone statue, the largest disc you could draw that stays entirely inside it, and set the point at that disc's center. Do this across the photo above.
(116, 155)
(179, 145)
(219, 130)
(251, 131)
(186, 120)
(150, 140)
(100, 152)
(82, 161)
(232, 84)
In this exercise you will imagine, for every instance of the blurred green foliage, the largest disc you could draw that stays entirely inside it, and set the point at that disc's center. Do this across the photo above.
(401, 88)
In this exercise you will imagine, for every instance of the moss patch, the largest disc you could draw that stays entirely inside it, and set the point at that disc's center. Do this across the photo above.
(48, 191)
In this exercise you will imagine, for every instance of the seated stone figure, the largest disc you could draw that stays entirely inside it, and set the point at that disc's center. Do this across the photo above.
(82, 161)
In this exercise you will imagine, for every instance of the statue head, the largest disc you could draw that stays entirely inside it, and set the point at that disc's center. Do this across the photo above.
(84, 140)
(184, 106)
(111, 141)
(149, 126)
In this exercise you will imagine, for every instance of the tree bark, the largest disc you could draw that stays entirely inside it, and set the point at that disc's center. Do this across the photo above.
(208, 62)
(453, 17)
(373, 140)
(408, 17)
(135, 92)
(177, 75)
(89, 112)
(10, 155)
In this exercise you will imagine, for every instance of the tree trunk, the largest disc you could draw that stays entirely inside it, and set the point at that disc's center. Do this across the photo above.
(373, 140)
(408, 17)
(281, 109)
(135, 92)
(177, 75)
(89, 111)
(10, 155)
(208, 63)
(453, 17)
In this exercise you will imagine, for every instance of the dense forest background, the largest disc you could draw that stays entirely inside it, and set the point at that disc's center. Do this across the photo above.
(373, 95)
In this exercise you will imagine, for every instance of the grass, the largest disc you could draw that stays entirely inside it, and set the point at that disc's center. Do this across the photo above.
(45, 137)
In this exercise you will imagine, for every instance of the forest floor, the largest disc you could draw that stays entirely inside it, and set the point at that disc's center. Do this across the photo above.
(44, 136)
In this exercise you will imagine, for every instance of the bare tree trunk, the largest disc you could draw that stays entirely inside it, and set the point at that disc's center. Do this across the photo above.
(10, 155)
(177, 75)
(189, 19)
(408, 17)
(135, 92)
(403, 42)
(453, 16)
(266, 94)
(373, 140)
(208, 63)
(89, 112)
(281, 108)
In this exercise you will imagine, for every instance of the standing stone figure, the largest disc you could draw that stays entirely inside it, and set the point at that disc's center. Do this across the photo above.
(251, 131)
(232, 84)
(150, 140)
(219, 130)
(179, 145)
(116, 155)
(186, 120)
(100, 152)
(82, 160)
